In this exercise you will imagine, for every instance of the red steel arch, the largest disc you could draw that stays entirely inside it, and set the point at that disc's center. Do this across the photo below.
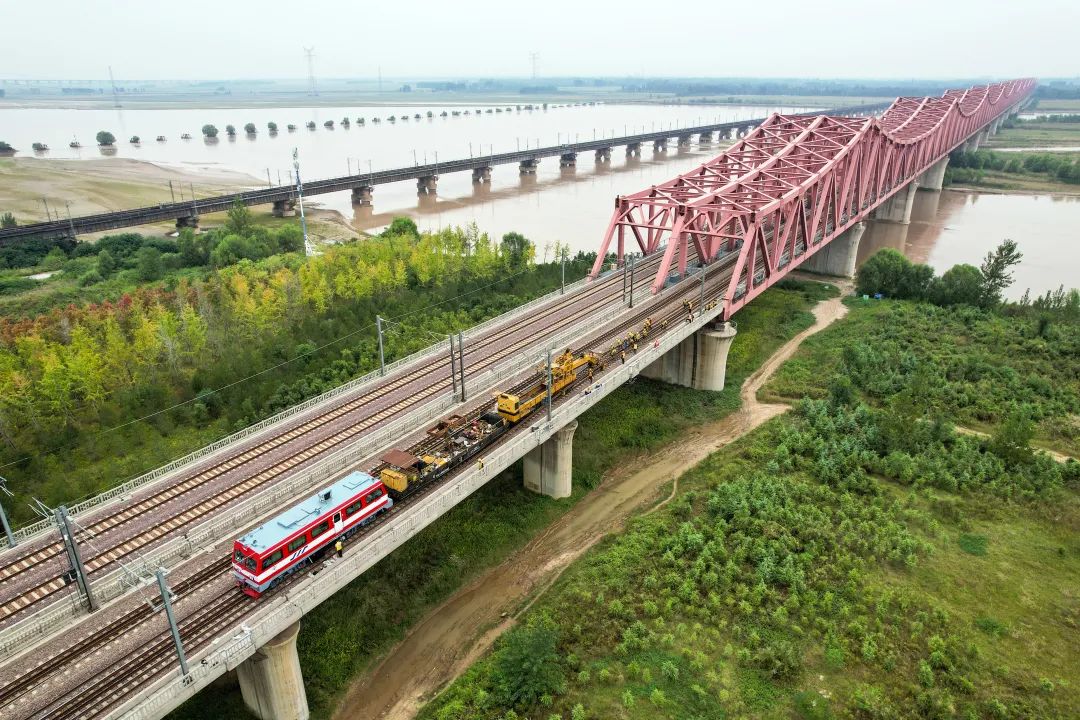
(788, 188)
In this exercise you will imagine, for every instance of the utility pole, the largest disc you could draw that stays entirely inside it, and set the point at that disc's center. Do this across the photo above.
(166, 601)
(453, 365)
(534, 58)
(310, 52)
(701, 306)
(71, 223)
(563, 290)
(115, 94)
(48, 215)
(3, 515)
(269, 182)
(172, 192)
(308, 250)
(461, 362)
(382, 362)
(74, 557)
(631, 282)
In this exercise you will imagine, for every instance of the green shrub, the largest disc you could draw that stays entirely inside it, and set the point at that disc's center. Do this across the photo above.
(974, 544)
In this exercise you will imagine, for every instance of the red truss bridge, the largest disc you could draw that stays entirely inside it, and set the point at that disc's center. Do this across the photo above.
(795, 184)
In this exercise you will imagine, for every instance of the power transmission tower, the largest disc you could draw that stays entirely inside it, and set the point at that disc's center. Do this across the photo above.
(534, 58)
(310, 52)
(115, 94)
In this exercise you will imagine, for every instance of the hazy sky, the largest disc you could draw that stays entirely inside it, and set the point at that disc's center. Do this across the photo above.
(219, 39)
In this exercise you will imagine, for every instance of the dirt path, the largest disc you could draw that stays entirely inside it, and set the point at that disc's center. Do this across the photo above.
(1060, 457)
(454, 635)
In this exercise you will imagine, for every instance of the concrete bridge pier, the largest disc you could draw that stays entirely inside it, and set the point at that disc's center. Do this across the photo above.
(528, 167)
(188, 221)
(898, 208)
(481, 175)
(838, 257)
(659, 145)
(633, 149)
(568, 160)
(427, 185)
(705, 138)
(933, 177)
(684, 141)
(699, 361)
(603, 155)
(362, 195)
(548, 469)
(270, 680)
(284, 208)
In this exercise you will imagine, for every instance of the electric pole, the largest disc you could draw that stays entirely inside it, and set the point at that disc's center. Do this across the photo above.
(310, 52)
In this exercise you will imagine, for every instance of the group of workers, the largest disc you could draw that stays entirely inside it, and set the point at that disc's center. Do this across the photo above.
(630, 342)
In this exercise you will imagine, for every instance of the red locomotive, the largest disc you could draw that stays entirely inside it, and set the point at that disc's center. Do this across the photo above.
(262, 557)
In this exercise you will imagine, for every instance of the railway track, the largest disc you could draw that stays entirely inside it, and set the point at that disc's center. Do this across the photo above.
(200, 626)
(37, 594)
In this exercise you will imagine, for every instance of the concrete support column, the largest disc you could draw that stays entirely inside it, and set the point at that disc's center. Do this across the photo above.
(603, 155)
(481, 175)
(427, 185)
(633, 149)
(284, 208)
(568, 160)
(189, 221)
(898, 207)
(684, 141)
(548, 469)
(712, 352)
(838, 257)
(699, 361)
(270, 680)
(362, 195)
(934, 175)
(660, 145)
(705, 138)
(528, 167)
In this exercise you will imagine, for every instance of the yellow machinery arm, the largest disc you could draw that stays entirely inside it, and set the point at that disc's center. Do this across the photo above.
(563, 374)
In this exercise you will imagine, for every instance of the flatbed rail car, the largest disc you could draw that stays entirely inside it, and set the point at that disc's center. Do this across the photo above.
(265, 555)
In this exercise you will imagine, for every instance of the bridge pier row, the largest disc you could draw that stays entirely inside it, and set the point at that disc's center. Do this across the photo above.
(284, 208)
(362, 195)
(427, 185)
(548, 469)
(481, 175)
(270, 680)
(699, 361)
(898, 208)
(528, 167)
(838, 257)
(934, 176)
(190, 221)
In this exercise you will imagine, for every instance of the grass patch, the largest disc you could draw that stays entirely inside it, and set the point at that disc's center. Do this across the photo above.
(973, 544)
(991, 626)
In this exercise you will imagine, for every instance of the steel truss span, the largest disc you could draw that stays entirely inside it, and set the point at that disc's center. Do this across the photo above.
(795, 183)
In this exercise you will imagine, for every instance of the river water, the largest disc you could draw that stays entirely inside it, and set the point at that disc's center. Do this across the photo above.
(572, 205)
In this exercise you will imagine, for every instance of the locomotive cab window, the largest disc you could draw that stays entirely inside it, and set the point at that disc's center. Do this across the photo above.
(297, 543)
(249, 563)
(272, 558)
(320, 529)
(353, 509)
(238, 557)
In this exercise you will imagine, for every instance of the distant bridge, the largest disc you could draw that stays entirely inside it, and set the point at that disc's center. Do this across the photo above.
(283, 197)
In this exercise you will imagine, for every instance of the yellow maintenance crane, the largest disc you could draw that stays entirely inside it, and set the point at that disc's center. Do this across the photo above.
(564, 368)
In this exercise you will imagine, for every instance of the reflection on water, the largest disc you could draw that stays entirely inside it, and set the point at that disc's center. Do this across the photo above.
(948, 228)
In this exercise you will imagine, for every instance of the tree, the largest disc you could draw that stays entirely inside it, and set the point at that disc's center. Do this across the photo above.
(209, 131)
(230, 131)
(997, 274)
(271, 126)
(250, 128)
(1012, 440)
(5, 148)
(105, 138)
(55, 259)
(7, 220)
(106, 263)
(890, 273)
(403, 226)
(528, 664)
(148, 265)
(960, 285)
(134, 140)
(517, 250)
(239, 221)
